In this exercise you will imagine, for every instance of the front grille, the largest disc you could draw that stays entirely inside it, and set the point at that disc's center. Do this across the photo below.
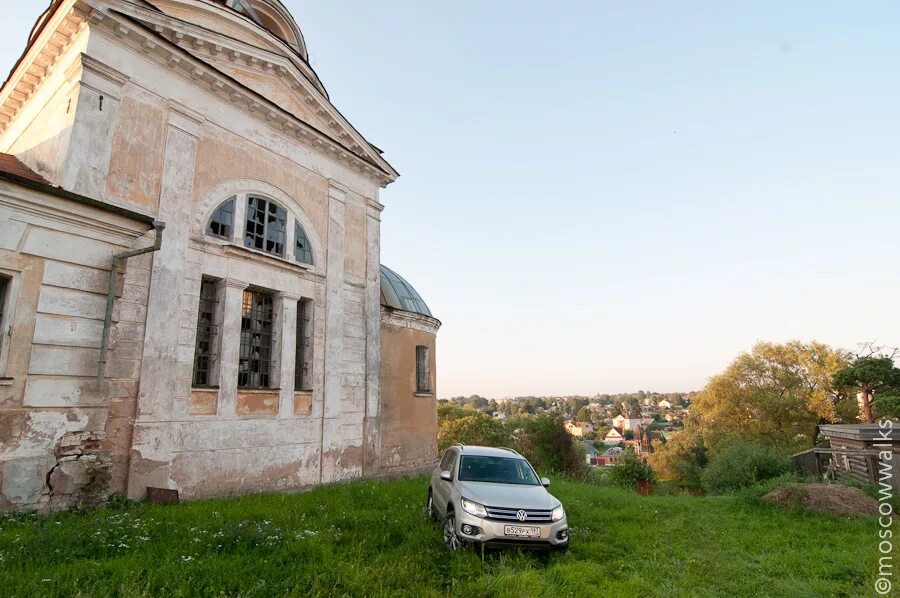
(510, 514)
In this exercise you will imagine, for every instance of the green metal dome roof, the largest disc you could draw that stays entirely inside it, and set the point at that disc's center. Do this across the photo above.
(396, 293)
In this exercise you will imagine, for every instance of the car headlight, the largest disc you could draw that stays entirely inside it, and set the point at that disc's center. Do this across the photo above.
(558, 513)
(473, 508)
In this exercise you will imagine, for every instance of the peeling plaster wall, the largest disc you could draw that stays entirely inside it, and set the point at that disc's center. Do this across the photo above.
(146, 136)
(201, 443)
(59, 442)
(408, 420)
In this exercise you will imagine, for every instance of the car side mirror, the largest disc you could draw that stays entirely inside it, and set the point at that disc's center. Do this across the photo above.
(545, 482)
(446, 476)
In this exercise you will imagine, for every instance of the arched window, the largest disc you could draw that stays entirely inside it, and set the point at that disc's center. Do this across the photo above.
(221, 223)
(302, 248)
(266, 226)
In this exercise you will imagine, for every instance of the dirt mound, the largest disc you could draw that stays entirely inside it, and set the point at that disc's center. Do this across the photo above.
(825, 498)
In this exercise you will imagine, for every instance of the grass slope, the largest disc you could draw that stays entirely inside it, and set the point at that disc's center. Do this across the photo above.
(372, 538)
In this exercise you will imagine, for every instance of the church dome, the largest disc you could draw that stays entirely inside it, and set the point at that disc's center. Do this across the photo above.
(272, 16)
(396, 293)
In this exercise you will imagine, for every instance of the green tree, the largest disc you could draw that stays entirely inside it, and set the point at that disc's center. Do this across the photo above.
(776, 394)
(450, 411)
(583, 415)
(870, 373)
(477, 429)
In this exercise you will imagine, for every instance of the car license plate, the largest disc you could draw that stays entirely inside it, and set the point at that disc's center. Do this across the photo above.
(522, 531)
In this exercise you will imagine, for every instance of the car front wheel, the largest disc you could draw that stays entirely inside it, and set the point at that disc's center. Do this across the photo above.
(430, 506)
(451, 538)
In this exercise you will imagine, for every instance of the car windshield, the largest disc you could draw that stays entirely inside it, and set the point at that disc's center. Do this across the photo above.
(497, 470)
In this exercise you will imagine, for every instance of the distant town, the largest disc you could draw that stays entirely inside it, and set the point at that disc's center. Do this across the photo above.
(610, 426)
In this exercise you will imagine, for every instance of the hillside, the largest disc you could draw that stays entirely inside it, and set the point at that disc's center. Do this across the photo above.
(372, 538)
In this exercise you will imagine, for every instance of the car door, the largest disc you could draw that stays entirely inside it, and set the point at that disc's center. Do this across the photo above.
(442, 488)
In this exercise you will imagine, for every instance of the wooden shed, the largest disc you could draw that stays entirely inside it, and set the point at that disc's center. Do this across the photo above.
(858, 449)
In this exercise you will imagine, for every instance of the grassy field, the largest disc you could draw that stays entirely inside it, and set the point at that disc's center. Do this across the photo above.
(372, 538)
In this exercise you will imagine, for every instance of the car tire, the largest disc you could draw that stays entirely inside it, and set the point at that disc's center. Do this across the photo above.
(432, 515)
(448, 532)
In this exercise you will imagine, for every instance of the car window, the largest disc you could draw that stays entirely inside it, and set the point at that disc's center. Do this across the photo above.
(497, 470)
(452, 465)
(447, 460)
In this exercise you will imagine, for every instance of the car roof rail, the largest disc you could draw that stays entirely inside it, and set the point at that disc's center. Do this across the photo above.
(514, 451)
(459, 444)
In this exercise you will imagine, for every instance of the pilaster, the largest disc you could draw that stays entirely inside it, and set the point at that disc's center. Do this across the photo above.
(230, 354)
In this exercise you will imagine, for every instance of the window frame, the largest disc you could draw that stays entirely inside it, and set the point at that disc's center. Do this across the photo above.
(300, 232)
(6, 291)
(269, 209)
(295, 228)
(423, 370)
(232, 203)
(303, 349)
(211, 334)
(266, 377)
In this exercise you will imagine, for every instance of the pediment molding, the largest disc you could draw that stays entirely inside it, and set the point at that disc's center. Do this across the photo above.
(297, 77)
(184, 55)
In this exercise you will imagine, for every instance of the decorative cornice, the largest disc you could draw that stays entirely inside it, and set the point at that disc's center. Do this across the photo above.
(35, 67)
(406, 319)
(184, 119)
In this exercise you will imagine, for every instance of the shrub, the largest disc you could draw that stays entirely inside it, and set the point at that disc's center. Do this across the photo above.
(628, 471)
(543, 440)
(682, 458)
(742, 464)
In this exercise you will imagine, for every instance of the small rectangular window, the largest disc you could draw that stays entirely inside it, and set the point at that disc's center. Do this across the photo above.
(257, 335)
(423, 375)
(207, 330)
(303, 351)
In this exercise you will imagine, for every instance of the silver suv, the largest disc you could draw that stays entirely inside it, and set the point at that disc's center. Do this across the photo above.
(493, 496)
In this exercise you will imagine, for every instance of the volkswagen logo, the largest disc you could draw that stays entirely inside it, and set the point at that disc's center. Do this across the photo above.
(521, 515)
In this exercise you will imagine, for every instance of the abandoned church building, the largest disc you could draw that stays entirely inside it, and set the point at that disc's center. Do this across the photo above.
(190, 280)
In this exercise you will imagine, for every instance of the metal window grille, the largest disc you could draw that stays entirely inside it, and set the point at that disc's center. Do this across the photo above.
(204, 350)
(257, 336)
(423, 379)
(221, 223)
(266, 226)
(302, 249)
(303, 352)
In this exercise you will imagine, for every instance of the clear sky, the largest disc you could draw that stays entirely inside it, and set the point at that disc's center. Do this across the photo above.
(613, 196)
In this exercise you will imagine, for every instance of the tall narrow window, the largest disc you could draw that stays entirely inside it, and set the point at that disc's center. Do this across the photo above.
(266, 226)
(4, 325)
(221, 223)
(303, 355)
(257, 325)
(423, 375)
(302, 250)
(204, 349)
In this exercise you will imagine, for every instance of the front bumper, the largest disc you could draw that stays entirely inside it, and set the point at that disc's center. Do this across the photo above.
(553, 535)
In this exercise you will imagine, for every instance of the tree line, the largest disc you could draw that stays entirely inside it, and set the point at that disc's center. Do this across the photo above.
(776, 396)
